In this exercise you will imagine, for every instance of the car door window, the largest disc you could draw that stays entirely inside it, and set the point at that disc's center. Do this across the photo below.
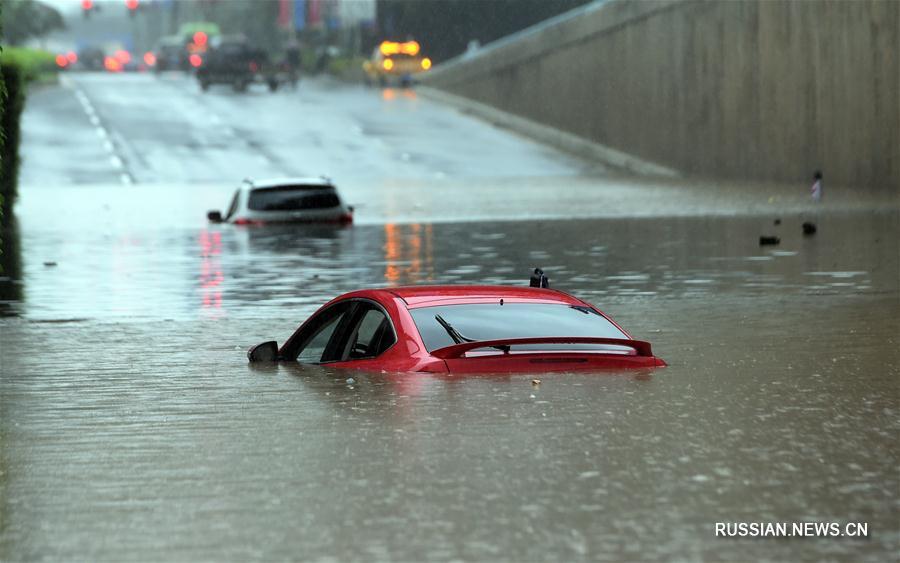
(315, 344)
(371, 336)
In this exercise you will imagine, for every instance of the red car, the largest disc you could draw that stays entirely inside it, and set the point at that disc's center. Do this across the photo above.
(460, 329)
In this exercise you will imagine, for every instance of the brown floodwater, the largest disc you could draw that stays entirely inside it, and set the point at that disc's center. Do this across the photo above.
(132, 427)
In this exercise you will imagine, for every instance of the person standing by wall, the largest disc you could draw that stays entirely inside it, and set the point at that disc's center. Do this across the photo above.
(816, 190)
(809, 228)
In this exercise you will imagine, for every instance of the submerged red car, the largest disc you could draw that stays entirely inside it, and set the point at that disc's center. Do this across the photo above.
(460, 329)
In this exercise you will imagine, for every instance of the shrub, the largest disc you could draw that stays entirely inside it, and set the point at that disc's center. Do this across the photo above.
(34, 63)
(13, 103)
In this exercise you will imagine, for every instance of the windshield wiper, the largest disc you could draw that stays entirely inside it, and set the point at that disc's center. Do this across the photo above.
(459, 338)
(454, 334)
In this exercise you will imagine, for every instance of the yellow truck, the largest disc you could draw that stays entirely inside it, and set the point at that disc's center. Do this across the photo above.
(395, 60)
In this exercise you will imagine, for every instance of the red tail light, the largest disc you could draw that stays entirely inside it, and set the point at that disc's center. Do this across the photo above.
(245, 221)
(254, 67)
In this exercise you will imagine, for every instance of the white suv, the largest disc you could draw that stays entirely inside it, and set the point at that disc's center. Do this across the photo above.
(285, 200)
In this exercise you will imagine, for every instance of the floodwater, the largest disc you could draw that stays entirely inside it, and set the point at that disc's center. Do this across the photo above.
(132, 427)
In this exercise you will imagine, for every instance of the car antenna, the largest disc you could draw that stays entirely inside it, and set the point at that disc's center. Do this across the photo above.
(538, 279)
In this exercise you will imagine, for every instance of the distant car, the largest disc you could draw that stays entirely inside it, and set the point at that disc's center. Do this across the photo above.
(395, 60)
(460, 329)
(238, 64)
(170, 54)
(287, 200)
(91, 58)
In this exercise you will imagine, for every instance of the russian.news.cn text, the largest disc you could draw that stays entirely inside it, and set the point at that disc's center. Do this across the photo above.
(792, 530)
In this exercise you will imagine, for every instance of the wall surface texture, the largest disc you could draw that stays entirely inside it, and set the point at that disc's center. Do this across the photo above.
(763, 90)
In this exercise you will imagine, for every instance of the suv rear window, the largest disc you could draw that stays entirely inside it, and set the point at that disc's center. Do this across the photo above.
(293, 198)
(512, 320)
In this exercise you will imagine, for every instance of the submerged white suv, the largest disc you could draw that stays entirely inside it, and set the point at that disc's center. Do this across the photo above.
(285, 200)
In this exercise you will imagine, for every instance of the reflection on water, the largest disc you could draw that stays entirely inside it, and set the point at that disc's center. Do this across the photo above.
(211, 276)
(408, 254)
(249, 271)
(140, 432)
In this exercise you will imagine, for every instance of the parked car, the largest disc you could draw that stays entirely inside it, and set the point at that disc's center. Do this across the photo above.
(395, 60)
(285, 200)
(460, 329)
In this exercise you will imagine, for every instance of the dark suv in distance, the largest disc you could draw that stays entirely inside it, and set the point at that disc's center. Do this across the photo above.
(237, 63)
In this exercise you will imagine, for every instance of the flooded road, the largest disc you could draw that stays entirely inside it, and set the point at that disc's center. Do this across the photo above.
(132, 427)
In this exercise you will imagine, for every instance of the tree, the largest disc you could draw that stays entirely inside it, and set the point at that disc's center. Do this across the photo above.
(24, 19)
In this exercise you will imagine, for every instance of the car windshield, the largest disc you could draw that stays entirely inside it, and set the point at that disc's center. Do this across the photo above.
(293, 198)
(511, 320)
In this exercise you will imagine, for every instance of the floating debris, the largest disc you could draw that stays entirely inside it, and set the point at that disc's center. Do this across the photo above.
(535, 382)
(767, 240)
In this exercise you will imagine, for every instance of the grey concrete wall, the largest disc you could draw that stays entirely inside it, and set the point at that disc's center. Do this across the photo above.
(767, 90)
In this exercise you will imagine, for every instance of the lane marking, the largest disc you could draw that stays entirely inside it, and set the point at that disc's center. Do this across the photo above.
(117, 162)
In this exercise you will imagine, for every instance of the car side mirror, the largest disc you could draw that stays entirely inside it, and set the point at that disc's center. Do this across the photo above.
(214, 216)
(265, 352)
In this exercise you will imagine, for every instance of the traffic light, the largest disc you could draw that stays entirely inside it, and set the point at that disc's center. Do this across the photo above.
(86, 7)
(132, 6)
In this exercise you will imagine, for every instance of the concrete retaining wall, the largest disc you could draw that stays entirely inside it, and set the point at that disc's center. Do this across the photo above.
(767, 90)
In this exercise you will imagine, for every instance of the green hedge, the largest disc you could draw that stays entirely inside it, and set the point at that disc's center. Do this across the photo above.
(13, 103)
(35, 64)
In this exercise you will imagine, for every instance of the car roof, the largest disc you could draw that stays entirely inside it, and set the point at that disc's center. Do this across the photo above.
(288, 181)
(433, 295)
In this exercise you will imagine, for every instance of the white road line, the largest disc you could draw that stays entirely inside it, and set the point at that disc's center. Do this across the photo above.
(263, 158)
(101, 132)
(108, 146)
(116, 161)
(94, 121)
(126, 179)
